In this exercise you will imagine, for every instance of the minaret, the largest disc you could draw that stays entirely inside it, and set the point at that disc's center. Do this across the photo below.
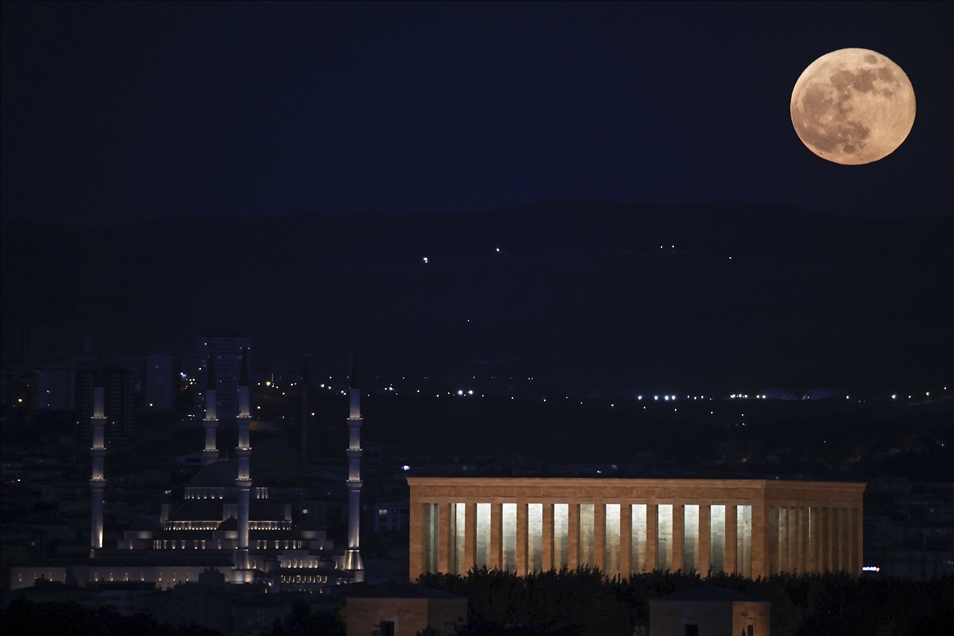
(211, 453)
(241, 570)
(305, 416)
(353, 555)
(97, 482)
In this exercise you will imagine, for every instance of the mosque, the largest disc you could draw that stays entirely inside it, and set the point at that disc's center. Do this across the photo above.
(227, 527)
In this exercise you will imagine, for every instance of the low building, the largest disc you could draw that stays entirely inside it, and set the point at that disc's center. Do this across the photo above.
(709, 610)
(403, 610)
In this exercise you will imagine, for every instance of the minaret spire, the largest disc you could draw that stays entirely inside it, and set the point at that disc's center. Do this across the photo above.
(97, 482)
(353, 561)
(242, 572)
(211, 423)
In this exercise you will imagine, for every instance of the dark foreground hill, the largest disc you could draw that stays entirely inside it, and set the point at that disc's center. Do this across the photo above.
(685, 297)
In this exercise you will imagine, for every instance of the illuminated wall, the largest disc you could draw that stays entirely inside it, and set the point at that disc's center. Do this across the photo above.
(751, 527)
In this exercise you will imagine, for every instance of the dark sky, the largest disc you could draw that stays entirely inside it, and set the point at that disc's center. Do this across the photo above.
(128, 111)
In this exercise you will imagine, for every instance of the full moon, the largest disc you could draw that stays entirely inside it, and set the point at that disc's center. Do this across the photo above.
(853, 106)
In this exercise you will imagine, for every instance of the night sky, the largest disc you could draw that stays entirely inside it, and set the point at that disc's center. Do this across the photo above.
(131, 111)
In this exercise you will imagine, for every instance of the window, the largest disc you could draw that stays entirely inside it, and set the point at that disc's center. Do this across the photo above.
(690, 630)
(386, 628)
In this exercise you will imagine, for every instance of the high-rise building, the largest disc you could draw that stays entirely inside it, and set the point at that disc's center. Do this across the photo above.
(56, 387)
(120, 401)
(226, 354)
(159, 381)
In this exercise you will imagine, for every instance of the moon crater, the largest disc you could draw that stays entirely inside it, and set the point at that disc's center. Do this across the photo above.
(853, 106)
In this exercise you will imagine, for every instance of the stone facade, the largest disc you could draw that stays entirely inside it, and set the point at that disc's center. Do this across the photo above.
(622, 526)
(404, 610)
(709, 611)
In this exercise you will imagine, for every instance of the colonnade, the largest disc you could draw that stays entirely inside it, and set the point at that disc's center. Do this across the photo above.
(524, 526)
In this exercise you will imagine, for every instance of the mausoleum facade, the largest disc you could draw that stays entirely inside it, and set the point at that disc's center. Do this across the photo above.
(623, 526)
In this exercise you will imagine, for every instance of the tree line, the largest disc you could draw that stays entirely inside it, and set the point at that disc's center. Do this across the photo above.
(584, 602)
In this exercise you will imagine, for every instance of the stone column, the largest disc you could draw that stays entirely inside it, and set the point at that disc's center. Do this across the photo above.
(801, 545)
(652, 519)
(815, 539)
(844, 540)
(793, 537)
(444, 539)
(548, 559)
(599, 536)
(759, 539)
(773, 532)
(731, 538)
(678, 536)
(470, 536)
(416, 531)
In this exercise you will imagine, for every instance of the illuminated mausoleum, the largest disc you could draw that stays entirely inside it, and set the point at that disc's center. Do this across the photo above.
(623, 526)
